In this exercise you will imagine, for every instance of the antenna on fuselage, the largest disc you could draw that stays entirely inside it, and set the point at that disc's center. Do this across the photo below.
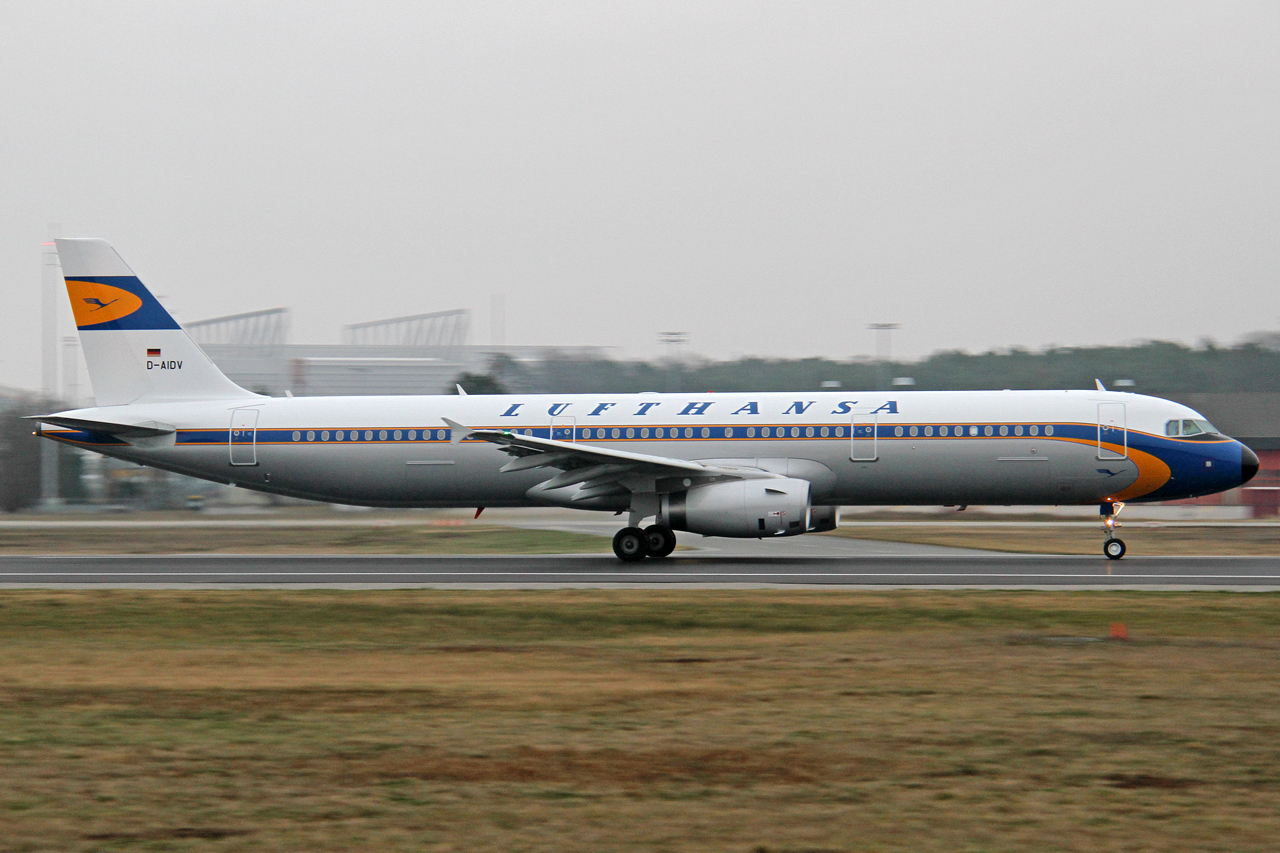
(1101, 387)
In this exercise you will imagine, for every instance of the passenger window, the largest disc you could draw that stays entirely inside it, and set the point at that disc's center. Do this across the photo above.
(1190, 428)
(1171, 428)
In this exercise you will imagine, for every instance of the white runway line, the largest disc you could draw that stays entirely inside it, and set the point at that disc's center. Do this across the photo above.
(625, 578)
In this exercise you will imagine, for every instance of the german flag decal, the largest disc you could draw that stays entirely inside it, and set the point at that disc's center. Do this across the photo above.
(153, 352)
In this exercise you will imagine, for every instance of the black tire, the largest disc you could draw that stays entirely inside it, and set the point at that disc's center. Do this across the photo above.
(1113, 548)
(630, 544)
(662, 540)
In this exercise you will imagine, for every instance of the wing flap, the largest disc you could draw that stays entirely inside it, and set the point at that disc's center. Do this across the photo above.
(599, 492)
(536, 460)
(603, 473)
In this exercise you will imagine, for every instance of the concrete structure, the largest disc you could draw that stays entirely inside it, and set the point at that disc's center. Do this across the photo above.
(418, 354)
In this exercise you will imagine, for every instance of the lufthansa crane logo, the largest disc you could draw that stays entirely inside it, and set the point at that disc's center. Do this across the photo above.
(95, 303)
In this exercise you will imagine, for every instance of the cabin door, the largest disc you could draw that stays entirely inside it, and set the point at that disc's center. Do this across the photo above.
(1113, 432)
(244, 437)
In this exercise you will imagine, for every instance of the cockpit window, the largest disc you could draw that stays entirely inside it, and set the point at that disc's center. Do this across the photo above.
(1189, 426)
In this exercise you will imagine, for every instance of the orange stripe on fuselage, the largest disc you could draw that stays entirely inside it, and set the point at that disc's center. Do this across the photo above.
(1153, 472)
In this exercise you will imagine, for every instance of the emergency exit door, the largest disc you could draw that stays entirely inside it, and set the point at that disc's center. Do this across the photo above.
(564, 429)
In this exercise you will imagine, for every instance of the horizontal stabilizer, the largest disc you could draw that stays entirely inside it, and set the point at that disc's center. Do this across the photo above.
(147, 429)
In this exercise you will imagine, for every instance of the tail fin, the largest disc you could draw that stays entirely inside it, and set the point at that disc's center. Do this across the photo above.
(135, 351)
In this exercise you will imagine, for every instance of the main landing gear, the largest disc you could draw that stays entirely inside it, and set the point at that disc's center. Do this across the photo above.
(1113, 548)
(631, 544)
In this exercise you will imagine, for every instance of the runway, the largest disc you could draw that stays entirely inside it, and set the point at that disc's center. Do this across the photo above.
(692, 569)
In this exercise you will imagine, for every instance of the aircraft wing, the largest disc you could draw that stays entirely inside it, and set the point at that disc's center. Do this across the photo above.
(598, 470)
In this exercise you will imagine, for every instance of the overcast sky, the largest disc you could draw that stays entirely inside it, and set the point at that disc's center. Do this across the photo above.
(769, 177)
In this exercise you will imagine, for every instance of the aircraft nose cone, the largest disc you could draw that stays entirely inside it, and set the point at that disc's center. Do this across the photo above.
(1248, 464)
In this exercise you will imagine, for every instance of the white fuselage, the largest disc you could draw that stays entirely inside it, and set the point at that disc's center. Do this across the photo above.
(976, 447)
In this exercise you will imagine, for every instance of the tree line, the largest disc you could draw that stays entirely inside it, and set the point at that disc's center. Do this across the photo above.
(1154, 367)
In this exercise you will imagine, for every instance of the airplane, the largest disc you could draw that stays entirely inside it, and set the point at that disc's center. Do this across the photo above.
(749, 465)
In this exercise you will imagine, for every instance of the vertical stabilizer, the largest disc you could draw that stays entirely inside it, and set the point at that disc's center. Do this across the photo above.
(135, 351)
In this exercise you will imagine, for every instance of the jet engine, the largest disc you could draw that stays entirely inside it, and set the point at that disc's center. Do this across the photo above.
(823, 518)
(740, 508)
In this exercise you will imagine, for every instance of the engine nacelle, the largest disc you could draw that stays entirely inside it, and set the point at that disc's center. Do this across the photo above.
(740, 508)
(823, 518)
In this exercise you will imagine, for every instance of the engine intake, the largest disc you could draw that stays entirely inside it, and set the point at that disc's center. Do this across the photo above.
(740, 508)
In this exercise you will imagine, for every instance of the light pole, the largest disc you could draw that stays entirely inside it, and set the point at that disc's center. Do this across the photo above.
(884, 348)
(51, 288)
(672, 341)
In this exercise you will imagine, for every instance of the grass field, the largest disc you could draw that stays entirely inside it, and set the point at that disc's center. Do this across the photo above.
(371, 539)
(638, 721)
(1141, 538)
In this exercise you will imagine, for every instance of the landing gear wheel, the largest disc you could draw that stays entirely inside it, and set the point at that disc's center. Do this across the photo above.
(1113, 548)
(662, 540)
(631, 544)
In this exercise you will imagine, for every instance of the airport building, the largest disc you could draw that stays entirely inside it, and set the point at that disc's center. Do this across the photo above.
(1253, 418)
(418, 354)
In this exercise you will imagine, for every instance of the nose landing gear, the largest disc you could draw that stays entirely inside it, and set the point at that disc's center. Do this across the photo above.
(1113, 548)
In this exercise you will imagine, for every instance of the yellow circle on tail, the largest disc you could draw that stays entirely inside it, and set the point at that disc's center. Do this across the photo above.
(93, 303)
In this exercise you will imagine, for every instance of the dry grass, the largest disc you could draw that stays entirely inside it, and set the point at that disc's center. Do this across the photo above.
(1144, 538)
(638, 720)
(374, 539)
